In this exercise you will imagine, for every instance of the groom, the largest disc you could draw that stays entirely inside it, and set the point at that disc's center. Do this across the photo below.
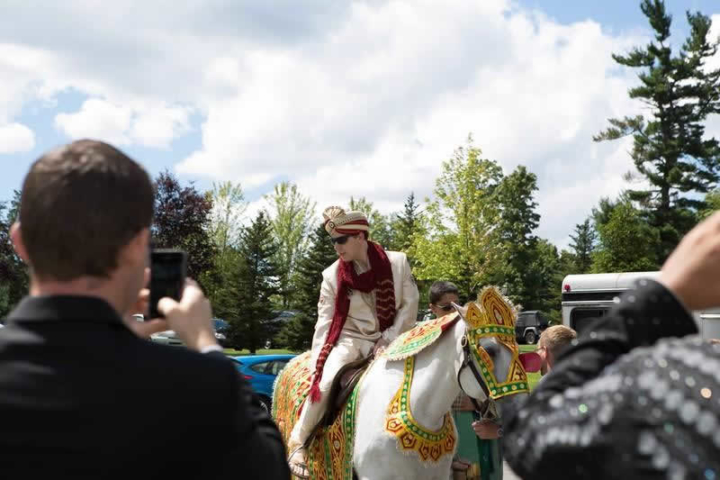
(368, 297)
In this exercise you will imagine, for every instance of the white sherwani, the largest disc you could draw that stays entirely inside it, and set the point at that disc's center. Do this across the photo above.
(359, 334)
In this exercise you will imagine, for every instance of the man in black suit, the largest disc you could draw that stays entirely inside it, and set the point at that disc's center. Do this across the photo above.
(82, 395)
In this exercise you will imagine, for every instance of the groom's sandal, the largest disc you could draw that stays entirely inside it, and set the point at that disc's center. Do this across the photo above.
(298, 465)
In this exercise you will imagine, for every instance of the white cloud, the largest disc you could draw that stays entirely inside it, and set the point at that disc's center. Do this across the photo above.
(16, 138)
(713, 124)
(158, 126)
(714, 35)
(360, 98)
(97, 119)
(147, 125)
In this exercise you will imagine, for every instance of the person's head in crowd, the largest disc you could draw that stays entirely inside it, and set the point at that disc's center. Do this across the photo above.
(552, 342)
(348, 233)
(442, 296)
(84, 223)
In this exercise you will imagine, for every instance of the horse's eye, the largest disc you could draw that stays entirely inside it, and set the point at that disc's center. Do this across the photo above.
(491, 349)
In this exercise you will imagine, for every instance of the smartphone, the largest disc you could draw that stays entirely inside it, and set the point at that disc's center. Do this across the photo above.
(168, 269)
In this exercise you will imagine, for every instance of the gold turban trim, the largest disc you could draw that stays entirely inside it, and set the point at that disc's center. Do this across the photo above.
(337, 219)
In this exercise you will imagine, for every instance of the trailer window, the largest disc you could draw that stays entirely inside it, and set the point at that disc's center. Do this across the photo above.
(581, 318)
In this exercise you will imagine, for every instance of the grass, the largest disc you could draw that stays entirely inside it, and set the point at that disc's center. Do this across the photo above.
(235, 353)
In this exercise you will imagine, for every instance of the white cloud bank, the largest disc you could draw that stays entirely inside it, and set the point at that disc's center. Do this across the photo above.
(344, 98)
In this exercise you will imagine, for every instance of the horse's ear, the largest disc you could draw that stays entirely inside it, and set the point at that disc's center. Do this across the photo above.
(473, 315)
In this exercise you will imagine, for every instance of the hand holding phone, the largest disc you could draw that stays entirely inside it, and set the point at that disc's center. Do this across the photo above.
(191, 317)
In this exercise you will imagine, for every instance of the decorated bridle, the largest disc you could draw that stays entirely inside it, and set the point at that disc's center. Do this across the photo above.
(492, 316)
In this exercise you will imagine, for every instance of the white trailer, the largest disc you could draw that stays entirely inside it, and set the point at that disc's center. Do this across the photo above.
(588, 297)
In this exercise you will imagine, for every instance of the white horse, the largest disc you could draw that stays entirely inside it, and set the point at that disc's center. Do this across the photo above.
(476, 354)
(435, 387)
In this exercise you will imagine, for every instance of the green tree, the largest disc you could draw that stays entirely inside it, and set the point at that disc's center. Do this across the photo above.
(255, 282)
(583, 245)
(669, 148)
(297, 333)
(567, 263)
(602, 213)
(229, 206)
(462, 243)
(291, 218)
(380, 230)
(518, 219)
(712, 205)
(625, 242)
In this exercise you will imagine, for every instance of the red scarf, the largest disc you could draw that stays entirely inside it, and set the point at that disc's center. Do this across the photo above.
(378, 278)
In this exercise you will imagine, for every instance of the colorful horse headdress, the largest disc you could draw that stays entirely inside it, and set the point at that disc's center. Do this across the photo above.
(494, 316)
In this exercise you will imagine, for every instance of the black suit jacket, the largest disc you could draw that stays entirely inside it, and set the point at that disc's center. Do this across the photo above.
(82, 397)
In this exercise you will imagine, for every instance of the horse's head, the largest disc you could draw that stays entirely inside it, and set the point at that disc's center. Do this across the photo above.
(491, 366)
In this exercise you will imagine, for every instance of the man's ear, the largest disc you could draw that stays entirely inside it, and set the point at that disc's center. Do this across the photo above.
(136, 250)
(17, 241)
(549, 358)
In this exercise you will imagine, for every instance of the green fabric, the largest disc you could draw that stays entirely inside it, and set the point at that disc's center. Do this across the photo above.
(486, 453)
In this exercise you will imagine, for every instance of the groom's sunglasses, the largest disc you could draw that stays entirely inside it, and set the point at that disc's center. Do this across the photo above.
(340, 240)
(445, 308)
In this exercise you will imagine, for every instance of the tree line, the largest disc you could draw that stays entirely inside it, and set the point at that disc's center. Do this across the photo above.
(477, 229)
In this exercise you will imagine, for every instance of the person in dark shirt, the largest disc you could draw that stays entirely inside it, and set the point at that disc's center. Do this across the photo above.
(636, 395)
(83, 394)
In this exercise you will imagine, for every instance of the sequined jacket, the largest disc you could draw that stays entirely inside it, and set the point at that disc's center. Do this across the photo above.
(625, 401)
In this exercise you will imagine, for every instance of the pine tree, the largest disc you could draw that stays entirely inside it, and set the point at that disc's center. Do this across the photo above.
(669, 147)
(406, 225)
(297, 334)
(546, 274)
(583, 245)
(254, 283)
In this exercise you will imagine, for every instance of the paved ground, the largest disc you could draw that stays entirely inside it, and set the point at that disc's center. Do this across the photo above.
(508, 474)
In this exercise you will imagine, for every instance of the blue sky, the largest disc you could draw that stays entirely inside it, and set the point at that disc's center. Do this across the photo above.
(616, 15)
(343, 98)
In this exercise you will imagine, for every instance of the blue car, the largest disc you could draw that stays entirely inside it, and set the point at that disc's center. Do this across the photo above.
(261, 371)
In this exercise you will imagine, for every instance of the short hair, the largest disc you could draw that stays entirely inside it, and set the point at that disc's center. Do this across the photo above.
(80, 204)
(438, 289)
(557, 338)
